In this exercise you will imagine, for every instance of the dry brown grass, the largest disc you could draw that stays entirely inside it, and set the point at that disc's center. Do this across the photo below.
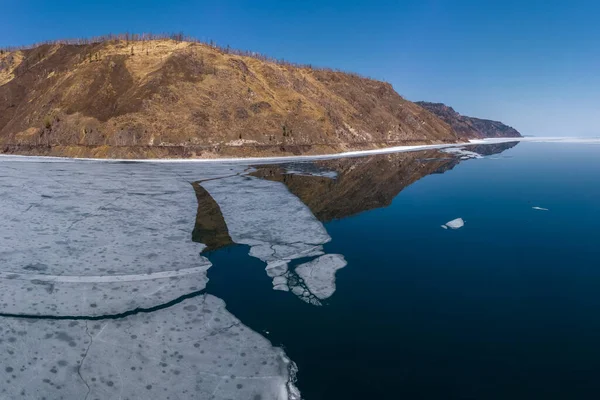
(138, 98)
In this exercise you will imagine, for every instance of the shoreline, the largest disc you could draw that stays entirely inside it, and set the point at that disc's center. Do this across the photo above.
(283, 159)
(270, 159)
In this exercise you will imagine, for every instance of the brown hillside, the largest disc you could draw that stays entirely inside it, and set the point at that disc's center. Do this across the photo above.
(164, 98)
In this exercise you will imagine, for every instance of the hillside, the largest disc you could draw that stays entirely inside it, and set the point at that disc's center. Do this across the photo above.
(469, 127)
(171, 98)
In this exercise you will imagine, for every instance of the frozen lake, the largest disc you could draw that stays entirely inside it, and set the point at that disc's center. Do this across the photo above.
(320, 279)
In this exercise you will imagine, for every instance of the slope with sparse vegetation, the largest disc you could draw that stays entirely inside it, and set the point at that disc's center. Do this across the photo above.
(136, 96)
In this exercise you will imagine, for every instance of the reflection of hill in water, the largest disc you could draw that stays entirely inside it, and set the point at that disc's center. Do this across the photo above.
(491, 149)
(361, 184)
(366, 183)
(210, 227)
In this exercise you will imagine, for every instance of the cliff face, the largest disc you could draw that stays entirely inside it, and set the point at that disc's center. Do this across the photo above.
(165, 98)
(469, 127)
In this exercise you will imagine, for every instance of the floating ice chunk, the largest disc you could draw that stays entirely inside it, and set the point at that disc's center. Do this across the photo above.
(454, 224)
(279, 280)
(298, 290)
(319, 274)
(276, 225)
(276, 268)
(266, 216)
(540, 208)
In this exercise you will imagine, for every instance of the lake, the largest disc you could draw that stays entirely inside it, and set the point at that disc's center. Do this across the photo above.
(325, 279)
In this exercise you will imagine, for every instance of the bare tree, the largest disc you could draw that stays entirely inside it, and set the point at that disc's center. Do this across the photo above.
(178, 37)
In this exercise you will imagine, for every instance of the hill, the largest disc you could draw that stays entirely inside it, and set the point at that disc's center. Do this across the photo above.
(176, 98)
(469, 127)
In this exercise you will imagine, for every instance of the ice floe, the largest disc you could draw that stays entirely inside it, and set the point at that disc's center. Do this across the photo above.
(319, 274)
(454, 224)
(276, 225)
(540, 208)
(101, 289)
(195, 349)
(95, 239)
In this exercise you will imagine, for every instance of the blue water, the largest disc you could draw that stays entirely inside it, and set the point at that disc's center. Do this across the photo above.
(506, 307)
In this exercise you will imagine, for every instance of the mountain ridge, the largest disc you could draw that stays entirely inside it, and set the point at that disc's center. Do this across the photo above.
(469, 127)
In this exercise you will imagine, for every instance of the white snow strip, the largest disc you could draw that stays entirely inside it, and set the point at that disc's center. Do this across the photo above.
(359, 153)
(272, 160)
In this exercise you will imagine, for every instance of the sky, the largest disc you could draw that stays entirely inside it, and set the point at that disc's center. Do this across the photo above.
(534, 65)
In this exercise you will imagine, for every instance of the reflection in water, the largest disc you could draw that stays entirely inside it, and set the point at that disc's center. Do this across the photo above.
(491, 149)
(360, 184)
(270, 214)
(338, 343)
(366, 183)
(210, 227)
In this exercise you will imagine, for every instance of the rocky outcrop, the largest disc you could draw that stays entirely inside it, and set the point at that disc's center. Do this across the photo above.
(469, 127)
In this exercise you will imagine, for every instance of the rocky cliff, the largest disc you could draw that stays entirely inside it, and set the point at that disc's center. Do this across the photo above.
(469, 127)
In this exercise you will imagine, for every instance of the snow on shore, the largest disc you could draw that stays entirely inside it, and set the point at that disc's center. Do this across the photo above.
(274, 160)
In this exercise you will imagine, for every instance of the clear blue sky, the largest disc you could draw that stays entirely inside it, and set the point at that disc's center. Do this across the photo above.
(532, 64)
